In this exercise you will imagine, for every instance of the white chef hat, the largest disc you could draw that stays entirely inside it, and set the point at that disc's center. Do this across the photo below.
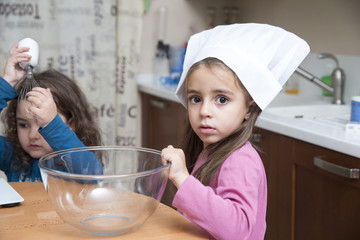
(262, 56)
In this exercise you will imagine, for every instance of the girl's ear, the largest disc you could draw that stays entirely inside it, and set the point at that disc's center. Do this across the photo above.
(250, 105)
(71, 124)
(249, 109)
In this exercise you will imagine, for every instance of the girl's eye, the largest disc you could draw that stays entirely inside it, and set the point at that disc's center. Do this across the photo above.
(222, 100)
(194, 99)
(23, 125)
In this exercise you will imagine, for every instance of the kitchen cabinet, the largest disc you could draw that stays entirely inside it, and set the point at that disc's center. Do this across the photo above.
(304, 200)
(163, 124)
(326, 205)
(276, 152)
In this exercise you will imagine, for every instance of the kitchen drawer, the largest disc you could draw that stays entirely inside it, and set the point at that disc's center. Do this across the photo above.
(332, 164)
(326, 205)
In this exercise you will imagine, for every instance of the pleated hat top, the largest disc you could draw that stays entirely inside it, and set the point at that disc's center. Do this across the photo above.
(262, 56)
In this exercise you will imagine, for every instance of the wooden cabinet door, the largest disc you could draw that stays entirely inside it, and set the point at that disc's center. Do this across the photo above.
(276, 152)
(327, 206)
(163, 122)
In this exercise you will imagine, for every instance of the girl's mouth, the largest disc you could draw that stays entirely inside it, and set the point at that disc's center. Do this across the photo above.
(34, 146)
(206, 129)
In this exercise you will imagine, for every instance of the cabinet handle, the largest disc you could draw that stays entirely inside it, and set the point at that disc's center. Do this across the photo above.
(158, 104)
(352, 173)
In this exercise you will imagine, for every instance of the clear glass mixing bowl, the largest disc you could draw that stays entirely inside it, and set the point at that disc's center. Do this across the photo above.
(104, 190)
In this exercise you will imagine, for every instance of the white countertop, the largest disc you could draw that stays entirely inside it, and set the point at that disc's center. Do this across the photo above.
(325, 135)
(317, 133)
(147, 85)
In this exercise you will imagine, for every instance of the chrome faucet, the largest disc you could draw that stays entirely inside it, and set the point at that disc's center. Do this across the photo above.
(337, 79)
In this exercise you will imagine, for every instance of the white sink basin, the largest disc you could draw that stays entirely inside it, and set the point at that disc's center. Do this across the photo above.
(337, 115)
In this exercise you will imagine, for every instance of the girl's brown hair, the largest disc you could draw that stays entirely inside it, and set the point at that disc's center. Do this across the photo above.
(70, 102)
(217, 152)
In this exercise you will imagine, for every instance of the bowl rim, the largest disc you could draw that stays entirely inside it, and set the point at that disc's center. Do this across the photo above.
(82, 176)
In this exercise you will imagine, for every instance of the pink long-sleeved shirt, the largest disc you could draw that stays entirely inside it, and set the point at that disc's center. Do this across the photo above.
(233, 206)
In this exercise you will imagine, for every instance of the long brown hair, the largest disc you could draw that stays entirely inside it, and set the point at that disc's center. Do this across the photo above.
(217, 152)
(70, 102)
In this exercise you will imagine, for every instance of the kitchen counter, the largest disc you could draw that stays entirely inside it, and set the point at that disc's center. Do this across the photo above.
(147, 85)
(317, 133)
(325, 135)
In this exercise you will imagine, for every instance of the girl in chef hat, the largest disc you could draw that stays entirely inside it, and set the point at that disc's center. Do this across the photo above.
(231, 73)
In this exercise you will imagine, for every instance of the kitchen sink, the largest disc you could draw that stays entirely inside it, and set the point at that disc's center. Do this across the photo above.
(335, 115)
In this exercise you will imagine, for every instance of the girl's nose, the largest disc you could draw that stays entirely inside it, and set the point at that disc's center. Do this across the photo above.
(205, 110)
(34, 134)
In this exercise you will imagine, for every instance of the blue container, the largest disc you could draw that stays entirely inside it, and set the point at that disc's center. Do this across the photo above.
(355, 109)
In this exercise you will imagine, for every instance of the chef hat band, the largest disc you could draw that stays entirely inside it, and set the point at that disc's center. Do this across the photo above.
(262, 56)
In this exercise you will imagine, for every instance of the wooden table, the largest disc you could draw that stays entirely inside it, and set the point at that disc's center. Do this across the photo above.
(35, 218)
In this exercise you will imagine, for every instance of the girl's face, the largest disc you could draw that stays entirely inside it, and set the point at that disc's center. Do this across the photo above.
(30, 139)
(216, 103)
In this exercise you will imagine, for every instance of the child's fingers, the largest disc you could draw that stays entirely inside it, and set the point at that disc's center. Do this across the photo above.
(21, 50)
(43, 101)
(43, 91)
(17, 57)
(16, 49)
(35, 102)
(165, 156)
(20, 58)
(38, 90)
(164, 161)
(36, 96)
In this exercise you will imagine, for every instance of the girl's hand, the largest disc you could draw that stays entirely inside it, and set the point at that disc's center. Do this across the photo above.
(42, 106)
(13, 72)
(178, 171)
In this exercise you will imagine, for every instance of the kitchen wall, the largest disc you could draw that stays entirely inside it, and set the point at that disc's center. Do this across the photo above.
(184, 18)
(327, 25)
